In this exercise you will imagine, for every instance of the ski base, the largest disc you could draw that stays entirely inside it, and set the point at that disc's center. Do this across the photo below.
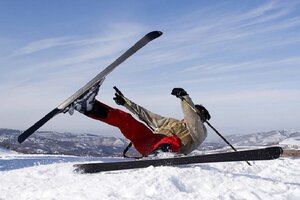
(248, 155)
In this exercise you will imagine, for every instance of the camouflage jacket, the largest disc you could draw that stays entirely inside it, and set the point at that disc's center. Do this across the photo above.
(190, 130)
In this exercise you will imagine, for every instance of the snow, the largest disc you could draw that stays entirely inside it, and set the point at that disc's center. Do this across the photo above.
(52, 177)
(292, 143)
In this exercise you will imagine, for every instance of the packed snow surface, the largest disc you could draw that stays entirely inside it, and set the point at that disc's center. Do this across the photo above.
(52, 177)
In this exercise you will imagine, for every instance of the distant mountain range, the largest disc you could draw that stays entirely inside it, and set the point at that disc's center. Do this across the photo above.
(49, 142)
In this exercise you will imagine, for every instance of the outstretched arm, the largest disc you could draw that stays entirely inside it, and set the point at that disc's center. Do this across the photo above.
(196, 128)
(151, 119)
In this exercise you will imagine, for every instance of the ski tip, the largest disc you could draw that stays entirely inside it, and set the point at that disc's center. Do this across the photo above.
(275, 152)
(78, 169)
(280, 151)
(21, 139)
(154, 34)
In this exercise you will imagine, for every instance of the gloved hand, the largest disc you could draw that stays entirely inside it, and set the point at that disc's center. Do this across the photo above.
(85, 103)
(179, 92)
(119, 99)
(203, 112)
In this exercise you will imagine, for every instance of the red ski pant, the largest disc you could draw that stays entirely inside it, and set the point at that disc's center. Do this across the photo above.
(143, 139)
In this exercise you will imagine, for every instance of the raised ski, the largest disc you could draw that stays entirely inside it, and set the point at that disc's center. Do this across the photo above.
(97, 80)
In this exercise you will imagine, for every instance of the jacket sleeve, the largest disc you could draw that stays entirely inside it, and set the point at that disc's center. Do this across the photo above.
(196, 128)
(152, 119)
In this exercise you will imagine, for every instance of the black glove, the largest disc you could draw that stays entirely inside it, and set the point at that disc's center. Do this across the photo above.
(179, 92)
(203, 112)
(119, 99)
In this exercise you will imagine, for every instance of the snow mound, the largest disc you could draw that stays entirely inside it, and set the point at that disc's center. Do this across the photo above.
(6, 152)
(291, 143)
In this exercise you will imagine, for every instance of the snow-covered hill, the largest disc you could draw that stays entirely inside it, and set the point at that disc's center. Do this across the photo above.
(85, 144)
(276, 179)
(49, 142)
(267, 139)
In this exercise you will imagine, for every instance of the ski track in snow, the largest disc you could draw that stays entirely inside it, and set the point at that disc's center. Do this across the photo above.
(277, 179)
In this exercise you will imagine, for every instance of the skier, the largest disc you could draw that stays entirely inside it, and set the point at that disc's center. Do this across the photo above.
(169, 135)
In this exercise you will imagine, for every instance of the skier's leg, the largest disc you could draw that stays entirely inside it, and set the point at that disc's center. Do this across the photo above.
(140, 135)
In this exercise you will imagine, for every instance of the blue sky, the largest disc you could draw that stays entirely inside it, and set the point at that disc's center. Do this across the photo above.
(238, 58)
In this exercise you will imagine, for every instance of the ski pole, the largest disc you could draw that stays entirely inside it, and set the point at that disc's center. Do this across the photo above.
(213, 128)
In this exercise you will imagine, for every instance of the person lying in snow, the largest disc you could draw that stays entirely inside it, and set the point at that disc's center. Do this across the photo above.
(169, 135)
